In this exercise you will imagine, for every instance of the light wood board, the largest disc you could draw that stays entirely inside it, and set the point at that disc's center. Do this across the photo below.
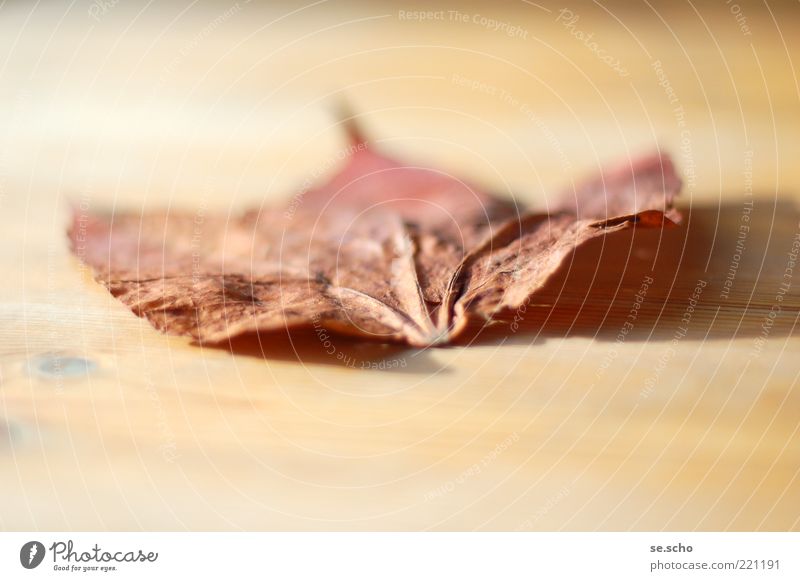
(106, 424)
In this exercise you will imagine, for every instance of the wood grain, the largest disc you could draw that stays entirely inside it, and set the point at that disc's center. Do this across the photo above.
(556, 423)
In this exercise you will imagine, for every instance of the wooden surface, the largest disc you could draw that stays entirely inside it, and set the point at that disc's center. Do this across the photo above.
(105, 424)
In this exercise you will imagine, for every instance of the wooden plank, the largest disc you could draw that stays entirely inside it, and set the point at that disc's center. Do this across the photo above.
(105, 424)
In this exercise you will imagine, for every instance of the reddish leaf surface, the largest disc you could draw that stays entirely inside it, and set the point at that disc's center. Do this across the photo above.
(384, 250)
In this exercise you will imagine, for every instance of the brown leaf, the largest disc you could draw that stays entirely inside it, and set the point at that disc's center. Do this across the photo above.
(383, 250)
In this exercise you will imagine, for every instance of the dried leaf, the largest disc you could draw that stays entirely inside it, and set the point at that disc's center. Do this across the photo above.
(384, 250)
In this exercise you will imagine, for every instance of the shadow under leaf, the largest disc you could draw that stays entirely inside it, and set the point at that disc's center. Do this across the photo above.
(306, 346)
(725, 272)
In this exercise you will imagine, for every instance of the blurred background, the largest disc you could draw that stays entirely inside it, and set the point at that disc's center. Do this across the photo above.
(183, 97)
(116, 104)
